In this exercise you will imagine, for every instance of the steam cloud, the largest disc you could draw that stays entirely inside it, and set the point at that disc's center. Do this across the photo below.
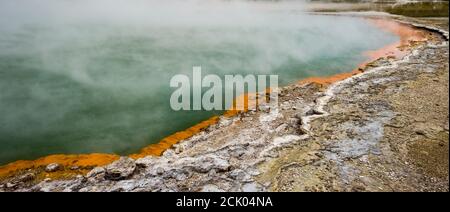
(93, 75)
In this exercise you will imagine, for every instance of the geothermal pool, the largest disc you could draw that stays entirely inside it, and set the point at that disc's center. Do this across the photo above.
(80, 78)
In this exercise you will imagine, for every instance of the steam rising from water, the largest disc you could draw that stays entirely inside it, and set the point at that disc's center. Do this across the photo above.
(81, 76)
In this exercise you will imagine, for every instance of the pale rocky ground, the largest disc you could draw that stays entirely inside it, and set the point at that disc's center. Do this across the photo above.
(383, 130)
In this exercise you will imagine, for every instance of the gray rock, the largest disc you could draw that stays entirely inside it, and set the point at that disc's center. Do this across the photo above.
(211, 188)
(299, 115)
(145, 161)
(237, 152)
(240, 175)
(317, 112)
(179, 174)
(74, 185)
(153, 184)
(206, 163)
(124, 186)
(27, 177)
(223, 122)
(294, 122)
(281, 128)
(169, 154)
(97, 174)
(159, 171)
(53, 167)
(120, 169)
(308, 113)
(251, 187)
(11, 185)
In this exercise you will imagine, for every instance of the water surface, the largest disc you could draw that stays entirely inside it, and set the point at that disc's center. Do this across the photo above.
(100, 82)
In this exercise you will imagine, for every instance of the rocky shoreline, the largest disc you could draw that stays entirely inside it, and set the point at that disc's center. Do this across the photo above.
(383, 130)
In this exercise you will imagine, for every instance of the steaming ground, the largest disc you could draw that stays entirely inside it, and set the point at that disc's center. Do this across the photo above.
(93, 76)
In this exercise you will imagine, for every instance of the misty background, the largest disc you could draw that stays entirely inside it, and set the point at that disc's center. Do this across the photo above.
(80, 76)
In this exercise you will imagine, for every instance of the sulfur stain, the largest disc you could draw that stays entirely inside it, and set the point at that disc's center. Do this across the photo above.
(83, 160)
(158, 148)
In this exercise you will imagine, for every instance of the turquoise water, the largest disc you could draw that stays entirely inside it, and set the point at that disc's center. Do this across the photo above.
(103, 86)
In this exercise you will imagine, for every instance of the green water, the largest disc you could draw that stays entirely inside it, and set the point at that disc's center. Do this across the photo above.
(83, 87)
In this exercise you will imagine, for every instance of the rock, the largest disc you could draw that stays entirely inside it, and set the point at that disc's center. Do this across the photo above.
(92, 189)
(96, 174)
(96, 171)
(10, 185)
(206, 163)
(237, 152)
(358, 188)
(265, 108)
(179, 149)
(159, 171)
(211, 188)
(281, 128)
(120, 169)
(253, 172)
(317, 112)
(59, 186)
(169, 153)
(240, 175)
(308, 113)
(237, 174)
(294, 122)
(251, 187)
(298, 116)
(212, 173)
(313, 112)
(179, 174)
(151, 184)
(145, 161)
(53, 167)
(285, 106)
(124, 186)
(223, 122)
(27, 177)
(74, 185)
(80, 177)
